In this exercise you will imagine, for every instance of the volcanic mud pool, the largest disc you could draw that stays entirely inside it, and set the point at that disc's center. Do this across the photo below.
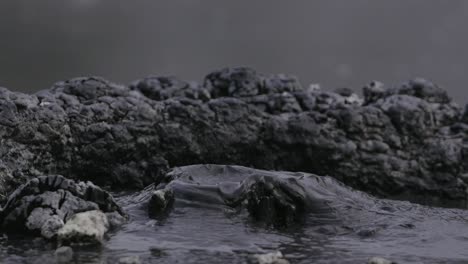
(210, 218)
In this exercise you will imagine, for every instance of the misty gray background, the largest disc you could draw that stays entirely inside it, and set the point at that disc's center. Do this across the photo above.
(337, 43)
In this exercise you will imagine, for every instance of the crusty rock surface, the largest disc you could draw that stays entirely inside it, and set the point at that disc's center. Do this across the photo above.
(84, 228)
(45, 204)
(405, 141)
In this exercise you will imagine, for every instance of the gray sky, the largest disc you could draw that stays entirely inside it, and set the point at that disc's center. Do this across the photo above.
(333, 42)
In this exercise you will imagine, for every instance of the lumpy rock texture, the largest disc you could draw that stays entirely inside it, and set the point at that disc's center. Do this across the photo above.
(45, 204)
(401, 141)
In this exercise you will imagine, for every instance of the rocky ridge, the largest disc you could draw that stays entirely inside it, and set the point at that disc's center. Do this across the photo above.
(404, 141)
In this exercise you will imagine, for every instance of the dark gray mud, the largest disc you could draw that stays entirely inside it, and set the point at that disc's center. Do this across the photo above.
(353, 228)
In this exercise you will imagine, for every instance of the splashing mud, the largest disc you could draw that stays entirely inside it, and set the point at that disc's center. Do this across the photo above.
(202, 226)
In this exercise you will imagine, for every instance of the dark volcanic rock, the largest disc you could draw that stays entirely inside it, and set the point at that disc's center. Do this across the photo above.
(418, 87)
(44, 204)
(408, 140)
(162, 88)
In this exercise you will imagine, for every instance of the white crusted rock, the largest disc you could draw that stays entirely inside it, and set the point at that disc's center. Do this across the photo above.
(271, 258)
(84, 228)
(379, 260)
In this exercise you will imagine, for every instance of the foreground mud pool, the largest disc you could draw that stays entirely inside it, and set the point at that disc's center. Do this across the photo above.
(108, 170)
(341, 225)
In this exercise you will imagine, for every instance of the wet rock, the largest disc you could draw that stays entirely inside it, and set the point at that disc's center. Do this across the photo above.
(128, 137)
(84, 228)
(45, 204)
(64, 254)
(160, 201)
(270, 258)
